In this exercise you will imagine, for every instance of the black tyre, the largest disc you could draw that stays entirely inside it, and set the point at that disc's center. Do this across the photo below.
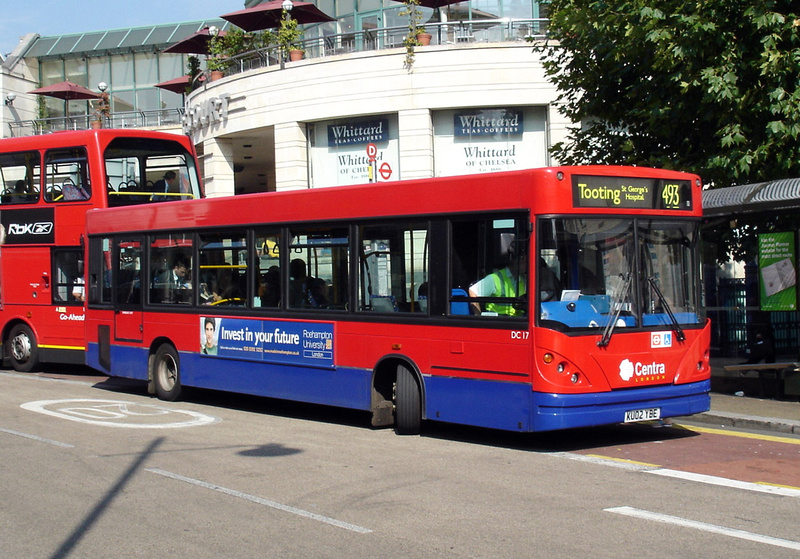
(408, 410)
(23, 349)
(166, 373)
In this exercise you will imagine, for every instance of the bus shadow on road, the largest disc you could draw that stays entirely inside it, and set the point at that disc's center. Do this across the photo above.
(566, 440)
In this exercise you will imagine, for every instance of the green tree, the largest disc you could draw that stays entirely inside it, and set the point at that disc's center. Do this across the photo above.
(710, 86)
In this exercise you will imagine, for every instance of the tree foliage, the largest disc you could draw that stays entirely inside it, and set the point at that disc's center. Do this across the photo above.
(709, 86)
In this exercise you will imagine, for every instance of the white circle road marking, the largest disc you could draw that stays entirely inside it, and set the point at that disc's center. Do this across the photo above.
(118, 413)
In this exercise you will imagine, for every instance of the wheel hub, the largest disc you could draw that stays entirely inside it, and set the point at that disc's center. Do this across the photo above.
(21, 348)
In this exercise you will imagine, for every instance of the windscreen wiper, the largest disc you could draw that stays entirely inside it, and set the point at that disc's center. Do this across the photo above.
(677, 327)
(617, 305)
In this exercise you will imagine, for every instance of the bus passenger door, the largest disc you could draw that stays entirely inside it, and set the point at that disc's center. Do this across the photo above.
(128, 290)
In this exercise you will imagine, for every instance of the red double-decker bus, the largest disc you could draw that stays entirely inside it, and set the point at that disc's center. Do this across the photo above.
(47, 185)
(525, 301)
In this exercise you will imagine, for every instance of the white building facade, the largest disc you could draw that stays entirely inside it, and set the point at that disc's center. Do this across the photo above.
(475, 101)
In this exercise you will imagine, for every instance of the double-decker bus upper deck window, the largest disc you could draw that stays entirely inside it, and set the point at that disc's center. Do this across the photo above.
(19, 177)
(144, 170)
(617, 272)
(67, 175)
(489, 267)
(393, 268)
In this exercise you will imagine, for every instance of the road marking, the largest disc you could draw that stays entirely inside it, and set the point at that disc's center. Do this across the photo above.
(712, 431)
(624, 460)
(605, 461)
(632, 465)
(725, 482)
(703, 526)
(260, 501)
(119, 413)
(35, 438)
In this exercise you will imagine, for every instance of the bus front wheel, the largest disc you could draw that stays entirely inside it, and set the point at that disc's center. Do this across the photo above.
(23, 349)
(166, 373)
(408, 411)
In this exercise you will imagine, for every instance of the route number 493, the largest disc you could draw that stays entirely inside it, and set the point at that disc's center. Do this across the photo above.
(520, 334)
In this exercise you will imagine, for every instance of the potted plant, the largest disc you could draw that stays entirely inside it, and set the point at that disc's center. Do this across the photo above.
(288, 38)
(416, 36)
(193, 71)
(217, 59)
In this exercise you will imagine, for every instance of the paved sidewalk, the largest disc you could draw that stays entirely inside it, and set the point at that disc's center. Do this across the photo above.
(752, 413)
(735, 402)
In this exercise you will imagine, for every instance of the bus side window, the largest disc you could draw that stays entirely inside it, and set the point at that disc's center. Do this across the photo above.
(394, 265)
(67, 175)
(318, 268)
(68, 287)
(268, 279)
(19, 177)
(489, 267)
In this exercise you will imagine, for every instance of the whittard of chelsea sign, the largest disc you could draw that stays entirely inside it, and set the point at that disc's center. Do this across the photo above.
(488, 122)
(363, 132)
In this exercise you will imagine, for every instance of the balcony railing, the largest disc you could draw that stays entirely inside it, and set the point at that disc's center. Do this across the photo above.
(447, 33)
(131, 119)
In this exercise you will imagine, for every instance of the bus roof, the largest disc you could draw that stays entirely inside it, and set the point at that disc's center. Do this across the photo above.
(83, 137)
(509, 190)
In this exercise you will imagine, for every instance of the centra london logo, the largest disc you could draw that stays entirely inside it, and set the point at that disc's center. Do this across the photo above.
(651, 371)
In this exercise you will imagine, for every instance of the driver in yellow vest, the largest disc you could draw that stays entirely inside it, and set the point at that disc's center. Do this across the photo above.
(509, 282)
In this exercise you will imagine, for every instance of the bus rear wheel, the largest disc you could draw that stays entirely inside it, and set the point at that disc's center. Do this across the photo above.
(166, 373)
(23, 349)
(407, 403)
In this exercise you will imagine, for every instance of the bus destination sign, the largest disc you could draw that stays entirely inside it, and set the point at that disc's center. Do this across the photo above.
(592, 191)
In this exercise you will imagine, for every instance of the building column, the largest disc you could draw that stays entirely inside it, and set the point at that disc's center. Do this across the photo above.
(415, 128)
(291, 156)
(217, 162)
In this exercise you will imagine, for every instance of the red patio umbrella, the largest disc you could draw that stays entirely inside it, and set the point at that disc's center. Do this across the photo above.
(178, 85)
(196, 43)
(269, 15)
(67, 91)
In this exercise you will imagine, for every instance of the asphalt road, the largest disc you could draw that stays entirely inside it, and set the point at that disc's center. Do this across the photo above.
(91, 467)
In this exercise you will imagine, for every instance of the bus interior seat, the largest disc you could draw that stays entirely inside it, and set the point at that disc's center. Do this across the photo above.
(459, 307)
(383, 303)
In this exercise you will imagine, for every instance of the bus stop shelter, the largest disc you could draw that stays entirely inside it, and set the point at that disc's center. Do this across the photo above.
(761, 218)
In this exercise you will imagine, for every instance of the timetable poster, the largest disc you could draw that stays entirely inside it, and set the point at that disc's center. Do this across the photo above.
(776, 263)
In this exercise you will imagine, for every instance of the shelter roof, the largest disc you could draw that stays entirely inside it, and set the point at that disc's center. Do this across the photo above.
(781, 194)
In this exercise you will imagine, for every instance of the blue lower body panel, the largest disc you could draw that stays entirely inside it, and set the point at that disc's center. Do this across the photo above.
(564, 411)
(515, 407)
(341, 387)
